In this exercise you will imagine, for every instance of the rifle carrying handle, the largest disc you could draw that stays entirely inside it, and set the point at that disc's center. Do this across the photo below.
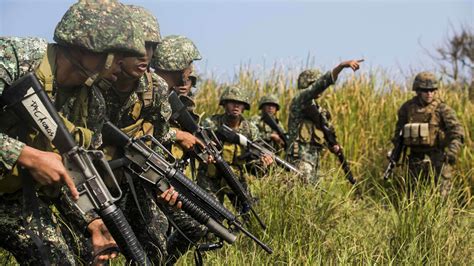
(123, 234)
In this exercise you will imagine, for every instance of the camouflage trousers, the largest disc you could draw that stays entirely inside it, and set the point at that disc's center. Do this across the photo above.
(18, 235)
(306, 157)
(422, 166)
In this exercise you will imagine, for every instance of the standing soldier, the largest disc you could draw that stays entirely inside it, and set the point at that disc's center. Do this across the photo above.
(431, 131)
(304, 136)
(270, 131)
(83, 54)
(235, 101)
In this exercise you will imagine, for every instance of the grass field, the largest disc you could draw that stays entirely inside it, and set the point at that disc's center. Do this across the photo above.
(371, 223)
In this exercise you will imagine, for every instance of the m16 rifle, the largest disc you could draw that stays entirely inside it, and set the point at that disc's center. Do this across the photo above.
(30, 102)
(270, 121)
(182, 116)
(153, 167)
(330, 137)
(394, 156)
(255, 148)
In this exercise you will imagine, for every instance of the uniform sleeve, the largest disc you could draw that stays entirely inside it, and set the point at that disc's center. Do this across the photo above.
(10, 150)
(454, 130)
(402, 120)
(306, 96)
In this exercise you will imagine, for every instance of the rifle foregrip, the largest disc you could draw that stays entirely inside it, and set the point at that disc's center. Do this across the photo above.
(180, 181)
(123, 234)
(233, 183)
(201, 216)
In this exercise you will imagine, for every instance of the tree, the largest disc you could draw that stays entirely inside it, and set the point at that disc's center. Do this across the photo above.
(456, 57)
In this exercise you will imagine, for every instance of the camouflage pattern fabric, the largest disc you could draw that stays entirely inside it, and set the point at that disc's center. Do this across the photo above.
(101, 27)
(265, 132)
(18, 56)
(237, 94)
(15, 239)
(425, 80)
(148, 22)
(304, 152)
(440, 158)
(175, 53)
(208, 177)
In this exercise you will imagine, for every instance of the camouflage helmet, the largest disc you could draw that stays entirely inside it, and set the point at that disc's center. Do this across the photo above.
(194, 78)
(425, 81)
(148, 22)
(307, 77)
(236, 94)
(269, 99)
(100, 26)
(175, 53)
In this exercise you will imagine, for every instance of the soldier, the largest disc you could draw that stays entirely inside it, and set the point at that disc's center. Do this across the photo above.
(173, 61)
(81, 56)
(431, 131)
(304, 136)
(269, 104)
(234, 101)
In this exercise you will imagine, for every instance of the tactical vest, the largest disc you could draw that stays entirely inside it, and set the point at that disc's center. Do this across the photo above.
(422, 130)
(309, 130)
(10, 122)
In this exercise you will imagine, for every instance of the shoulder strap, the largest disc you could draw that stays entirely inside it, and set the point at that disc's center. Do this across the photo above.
(46, 69)
(147, 95)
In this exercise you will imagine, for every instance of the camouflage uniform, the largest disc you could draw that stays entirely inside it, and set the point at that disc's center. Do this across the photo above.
(177, 53)
(265, 131)
(432, 133)
(18, 57)
(305, 139)
(208, 176)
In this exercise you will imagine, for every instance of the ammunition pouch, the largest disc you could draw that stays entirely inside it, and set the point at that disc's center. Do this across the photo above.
(420, 135)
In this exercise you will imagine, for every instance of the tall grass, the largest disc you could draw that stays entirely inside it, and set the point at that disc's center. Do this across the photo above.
(372, 223)
(335, 223)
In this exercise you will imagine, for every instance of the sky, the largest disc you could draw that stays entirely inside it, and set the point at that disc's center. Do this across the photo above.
(390, 35)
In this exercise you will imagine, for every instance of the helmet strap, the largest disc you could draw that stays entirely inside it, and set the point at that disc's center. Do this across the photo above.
(91, 76)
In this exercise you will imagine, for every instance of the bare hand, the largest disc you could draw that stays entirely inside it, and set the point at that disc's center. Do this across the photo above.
(46, 168)
(187, 140)
(171, 196)
(353, 64)
(276, 138)
(266, 159)
(101, 240)
(335, 148)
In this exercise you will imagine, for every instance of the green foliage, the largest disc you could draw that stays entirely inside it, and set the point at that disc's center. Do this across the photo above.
(374, 222)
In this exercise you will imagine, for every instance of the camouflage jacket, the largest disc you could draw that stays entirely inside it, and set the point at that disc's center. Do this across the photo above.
(265, 131)
(302, 100)
(232, 152)
(148, 101)
(450, 132)
(18, 56)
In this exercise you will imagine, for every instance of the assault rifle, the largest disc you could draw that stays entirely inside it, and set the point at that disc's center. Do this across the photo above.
(144, 162)
(30, 102)
(182, 116)
(394, 157)
(270, 121)
(256, 149)
(330, 137)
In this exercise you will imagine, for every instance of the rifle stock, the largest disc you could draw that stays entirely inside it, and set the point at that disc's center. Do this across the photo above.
(29, 100)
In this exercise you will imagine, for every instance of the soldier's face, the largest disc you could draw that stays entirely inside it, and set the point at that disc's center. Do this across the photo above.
(270, 109)
(427, 95)
(234, 109)
(183, 86)
(134, 67)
